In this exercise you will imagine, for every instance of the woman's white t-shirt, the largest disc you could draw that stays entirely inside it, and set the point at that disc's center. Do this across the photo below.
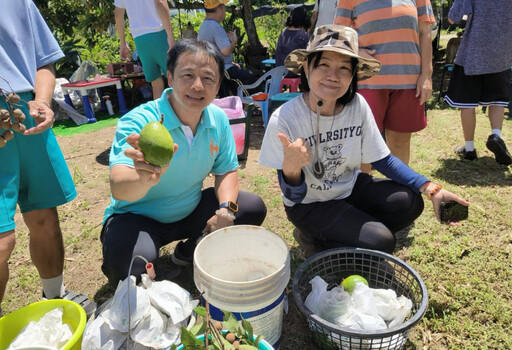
(346, 141)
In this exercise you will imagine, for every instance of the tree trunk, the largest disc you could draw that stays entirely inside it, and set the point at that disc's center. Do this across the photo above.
(250, 26)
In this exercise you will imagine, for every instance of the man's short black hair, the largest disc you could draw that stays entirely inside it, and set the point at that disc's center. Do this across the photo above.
(196, 46)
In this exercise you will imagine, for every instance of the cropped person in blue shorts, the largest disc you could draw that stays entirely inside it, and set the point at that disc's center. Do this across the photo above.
(481, 74)
(33, 173)
(153, 206)
(150, 26)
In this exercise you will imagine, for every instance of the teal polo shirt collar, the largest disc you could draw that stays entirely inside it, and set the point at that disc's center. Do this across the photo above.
(171, 120)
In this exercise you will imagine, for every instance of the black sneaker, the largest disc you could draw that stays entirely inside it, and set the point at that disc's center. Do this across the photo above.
(496, 145)
(463, 154)
(183, 254)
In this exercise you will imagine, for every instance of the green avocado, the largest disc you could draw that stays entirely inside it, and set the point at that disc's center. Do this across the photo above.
(156, 143)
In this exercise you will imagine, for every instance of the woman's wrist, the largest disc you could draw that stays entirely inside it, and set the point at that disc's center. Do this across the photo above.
(430, 189)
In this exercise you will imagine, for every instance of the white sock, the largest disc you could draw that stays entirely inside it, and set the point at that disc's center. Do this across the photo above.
(470, 146)
(496, 132)
(53, 287)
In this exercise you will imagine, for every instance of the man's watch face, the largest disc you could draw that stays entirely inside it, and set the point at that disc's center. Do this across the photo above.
(233, 207)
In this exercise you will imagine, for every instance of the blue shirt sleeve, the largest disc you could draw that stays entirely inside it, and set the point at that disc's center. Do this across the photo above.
(398, 171)
(294, 193)
(459, 9)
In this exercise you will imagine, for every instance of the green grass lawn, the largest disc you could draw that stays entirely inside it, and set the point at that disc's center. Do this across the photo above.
(69, 128)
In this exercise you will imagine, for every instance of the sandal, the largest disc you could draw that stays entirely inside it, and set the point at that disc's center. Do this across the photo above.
(88, 305)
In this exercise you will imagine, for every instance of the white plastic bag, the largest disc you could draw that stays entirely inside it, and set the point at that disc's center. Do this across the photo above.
(362, 311)
(86, 70)
(170, 298)
(116, 314)
(392, 309)
(151, 329)
(98, 335)
(48, 332)
(327, 304)
(365, 309)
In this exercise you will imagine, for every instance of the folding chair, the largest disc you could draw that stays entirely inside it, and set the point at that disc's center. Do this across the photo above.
(272, 81)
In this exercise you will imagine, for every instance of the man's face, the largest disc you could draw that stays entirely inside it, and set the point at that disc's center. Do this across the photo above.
(222, 12)
(195, 82)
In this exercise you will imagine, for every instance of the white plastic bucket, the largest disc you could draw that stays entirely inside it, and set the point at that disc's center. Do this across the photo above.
(244, 269)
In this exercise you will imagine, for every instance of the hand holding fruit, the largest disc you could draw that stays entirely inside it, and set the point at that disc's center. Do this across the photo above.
(43, 116)
(148, 173)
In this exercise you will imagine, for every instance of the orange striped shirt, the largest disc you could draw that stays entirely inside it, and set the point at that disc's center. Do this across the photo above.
(392, 30)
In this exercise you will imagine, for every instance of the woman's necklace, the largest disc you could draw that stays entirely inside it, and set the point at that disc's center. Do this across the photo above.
(318, 167)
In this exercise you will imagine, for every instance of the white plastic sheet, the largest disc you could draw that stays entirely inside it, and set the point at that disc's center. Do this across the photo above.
(116, 315)
(47, 333)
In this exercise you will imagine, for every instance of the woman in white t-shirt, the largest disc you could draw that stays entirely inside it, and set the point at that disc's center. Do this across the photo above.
(317, 142)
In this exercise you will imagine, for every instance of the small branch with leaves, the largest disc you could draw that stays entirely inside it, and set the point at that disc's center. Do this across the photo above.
(226, 335)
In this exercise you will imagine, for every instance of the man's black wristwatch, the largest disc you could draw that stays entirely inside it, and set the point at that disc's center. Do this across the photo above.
(232, 206)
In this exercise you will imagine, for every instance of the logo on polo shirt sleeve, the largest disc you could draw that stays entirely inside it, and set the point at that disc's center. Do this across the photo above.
(214, 148)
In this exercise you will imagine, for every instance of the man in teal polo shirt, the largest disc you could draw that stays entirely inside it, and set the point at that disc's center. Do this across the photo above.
(154, 206)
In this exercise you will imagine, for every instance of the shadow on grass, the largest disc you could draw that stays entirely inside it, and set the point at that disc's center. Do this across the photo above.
(403, 239)
(483, 171)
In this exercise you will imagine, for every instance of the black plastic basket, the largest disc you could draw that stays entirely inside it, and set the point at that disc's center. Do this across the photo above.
(381, 270)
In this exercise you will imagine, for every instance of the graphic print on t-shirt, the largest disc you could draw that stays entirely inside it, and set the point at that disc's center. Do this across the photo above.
(331, 155)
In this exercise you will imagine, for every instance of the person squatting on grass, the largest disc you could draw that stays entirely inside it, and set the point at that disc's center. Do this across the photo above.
(481, 74)
(33, 173)
(154, 206)
(317, 143)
